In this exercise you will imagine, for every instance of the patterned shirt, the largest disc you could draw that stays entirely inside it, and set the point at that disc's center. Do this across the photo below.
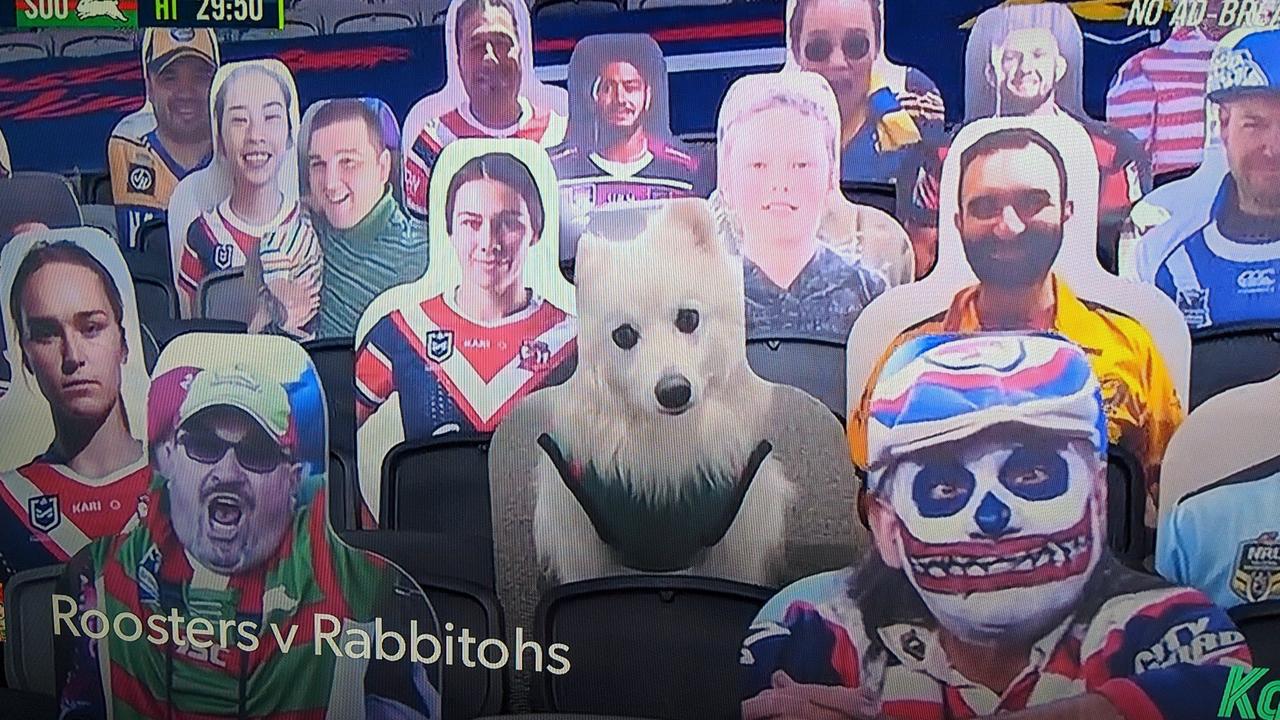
(143, 174)
(219, 240)
(824, 299)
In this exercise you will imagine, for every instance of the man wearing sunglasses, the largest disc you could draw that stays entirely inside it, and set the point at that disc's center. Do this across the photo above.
(840, 39)
(1013, 206)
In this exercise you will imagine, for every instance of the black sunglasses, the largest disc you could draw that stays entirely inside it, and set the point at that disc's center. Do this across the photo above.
(255, 453)
(855, 46)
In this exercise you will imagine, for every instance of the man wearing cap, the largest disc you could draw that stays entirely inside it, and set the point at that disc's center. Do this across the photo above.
(1012, 209)
(1226, 270)
(225, 537)
(170, 137)
(991, 591)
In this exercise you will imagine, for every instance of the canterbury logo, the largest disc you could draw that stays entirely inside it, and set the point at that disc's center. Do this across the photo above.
(1256, 279)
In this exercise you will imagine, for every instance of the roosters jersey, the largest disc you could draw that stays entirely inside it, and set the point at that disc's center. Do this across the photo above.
(218, 240)
(1216, 280)
(49, 512)
(541, 125)
(454, 374)
(1157, 654)
(143, 174)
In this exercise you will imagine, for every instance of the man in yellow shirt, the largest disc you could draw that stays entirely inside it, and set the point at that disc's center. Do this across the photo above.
(1012, 209)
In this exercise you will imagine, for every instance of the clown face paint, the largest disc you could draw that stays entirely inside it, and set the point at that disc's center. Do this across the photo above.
(1000, 534)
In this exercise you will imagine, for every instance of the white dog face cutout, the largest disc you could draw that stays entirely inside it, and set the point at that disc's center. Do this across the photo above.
(491, 92)
(491, 321)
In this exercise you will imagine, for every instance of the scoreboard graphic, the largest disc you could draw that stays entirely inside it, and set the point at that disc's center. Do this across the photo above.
(133, 14)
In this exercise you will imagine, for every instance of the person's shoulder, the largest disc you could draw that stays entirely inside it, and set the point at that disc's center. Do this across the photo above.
(1256, 486)
(672, 152)
(812, 591)
(134, 127)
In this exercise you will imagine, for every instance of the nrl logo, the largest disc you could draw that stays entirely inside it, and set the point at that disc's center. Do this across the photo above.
(44, 512)
(439, 345)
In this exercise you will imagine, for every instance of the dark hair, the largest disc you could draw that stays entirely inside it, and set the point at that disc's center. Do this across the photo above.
(802, 6)
(63, 251)
(503, 168)
(1016, 138)
(343, 109)
(467, 8)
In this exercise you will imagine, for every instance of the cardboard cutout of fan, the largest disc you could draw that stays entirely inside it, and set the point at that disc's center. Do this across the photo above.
(234, 538)
(490, 322)
(218, 215)
(1031, 250)
(490, 92)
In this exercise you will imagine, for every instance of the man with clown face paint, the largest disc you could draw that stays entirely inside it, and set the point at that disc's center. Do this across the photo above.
(990, 591)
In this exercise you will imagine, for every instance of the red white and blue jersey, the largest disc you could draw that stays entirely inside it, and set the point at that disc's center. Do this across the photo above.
(219, 240)
(541, 125)
(49, 512)
(1216, 279)
(1156, 654)
(455, 374)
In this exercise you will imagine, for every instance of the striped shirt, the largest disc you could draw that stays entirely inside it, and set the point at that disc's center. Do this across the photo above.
(383, 250)
(1158, 95)
(219, 240)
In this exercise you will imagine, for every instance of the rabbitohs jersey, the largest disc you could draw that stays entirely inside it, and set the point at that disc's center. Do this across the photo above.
(454, 374)
(49, 512)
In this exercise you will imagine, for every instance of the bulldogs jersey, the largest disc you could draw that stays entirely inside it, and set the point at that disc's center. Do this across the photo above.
(218, 240)
(541, 125)
(1218, 281)
(1157, 654)
(143, 174)
(457, 375)
(588, 181)
(49, 512)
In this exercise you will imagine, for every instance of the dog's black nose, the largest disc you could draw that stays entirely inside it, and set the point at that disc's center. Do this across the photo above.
(673, 392)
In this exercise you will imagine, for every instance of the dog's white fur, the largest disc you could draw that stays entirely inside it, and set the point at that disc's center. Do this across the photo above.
(607, 413)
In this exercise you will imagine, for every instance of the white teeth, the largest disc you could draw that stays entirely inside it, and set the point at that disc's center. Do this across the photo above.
(975, 571)
(935, 571)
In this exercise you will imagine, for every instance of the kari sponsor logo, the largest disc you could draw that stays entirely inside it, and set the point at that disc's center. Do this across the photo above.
(1239, 699)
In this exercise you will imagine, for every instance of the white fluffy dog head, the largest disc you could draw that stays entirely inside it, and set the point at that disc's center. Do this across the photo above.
(661, 316)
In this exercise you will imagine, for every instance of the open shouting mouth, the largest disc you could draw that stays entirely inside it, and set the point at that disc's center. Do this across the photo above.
(987, 566)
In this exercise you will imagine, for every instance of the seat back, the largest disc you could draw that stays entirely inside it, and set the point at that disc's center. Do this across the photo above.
(1126, 506)
(101, 216)
(1260, 623)
(878, 195)
(440, 486)
(28, 649)
(459, 596)
(226, 295)
(1229, 357)
(373, 22)
(334, 359)
(679, 632)
(812, 365)
(37, 197)
(15, 51)
(153, 241)
(97, 189)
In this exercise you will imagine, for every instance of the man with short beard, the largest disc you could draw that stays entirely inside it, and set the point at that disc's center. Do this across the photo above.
(170, 137)
(1226, 270)
(1012, 209)
(990, 591)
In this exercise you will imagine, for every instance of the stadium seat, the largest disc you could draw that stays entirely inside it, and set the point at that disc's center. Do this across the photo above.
(1165, 178)
(28, 648)
(440, 486)
(152, 287)
(462, 595)
(816, 366)
(153, 239)
(11, 51)
(1260, 623)
(91, 43)
(1126, 506)
(1227, 357)
(225, 295)
(1109, 246)
(374, 22)
(37, 197)
(575, 8)
(878, 195)
(645, 4)
(293, 28)
(150, 347)
(164, 331)
(334, 359)
(664, 669)
(101, 216)
(97, 189)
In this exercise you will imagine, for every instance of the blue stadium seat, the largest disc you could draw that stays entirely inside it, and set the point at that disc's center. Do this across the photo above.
(1231, 356)
(575, 8)
(225, 295)
(1260, 623)
(152, 287)
(440, 486)
(661, 646)
(13, 51)
(37, 197)
(102, 217)
(816, 366)
(1127, 533)
(28, 648)
(334, 360)
(878, 195)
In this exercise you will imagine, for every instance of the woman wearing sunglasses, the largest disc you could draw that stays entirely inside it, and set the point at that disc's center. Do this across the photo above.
(880, 128)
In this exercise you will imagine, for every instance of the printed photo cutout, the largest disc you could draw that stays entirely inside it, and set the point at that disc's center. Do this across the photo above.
(886, 109)
(987, 500)
(806, 276)
(235, 539)
(1015, 253)
(491, 321)
(218, 215)
(619, 148)
(665, 452)
(74, 446)
(153, 148)
(491, 92)
(352, 241)
(1215, 251)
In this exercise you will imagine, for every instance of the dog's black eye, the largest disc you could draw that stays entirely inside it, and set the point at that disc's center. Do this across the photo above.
(687, 320)
(625, 336)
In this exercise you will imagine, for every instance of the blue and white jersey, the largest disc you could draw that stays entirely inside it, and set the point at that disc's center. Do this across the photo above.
(1216, 280)
(1221, 541)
